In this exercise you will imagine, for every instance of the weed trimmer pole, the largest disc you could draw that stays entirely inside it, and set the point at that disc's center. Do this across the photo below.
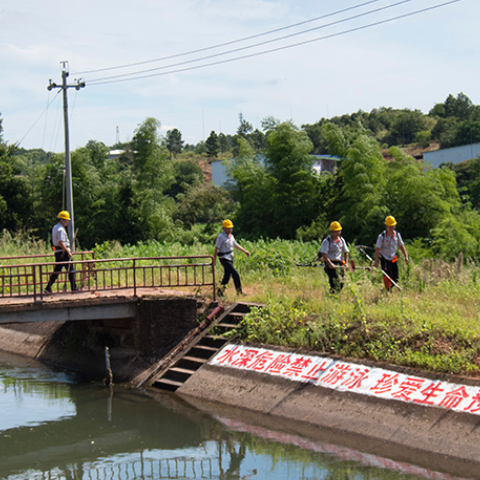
(378, 268)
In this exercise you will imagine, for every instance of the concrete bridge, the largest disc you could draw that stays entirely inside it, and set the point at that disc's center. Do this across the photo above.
(139, 308)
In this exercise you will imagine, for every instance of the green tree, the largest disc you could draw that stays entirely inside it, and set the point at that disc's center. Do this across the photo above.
(225, 145)
(154, 175)
(97, 152)
(203, 203)
(15, 194)
(419, 199)
(280, 194)
(257, 140)
(361, 182)
(423, 138)
(467, 132)
(459, 107)
(212, 144)
(174, 142)
(468, 176)
(244, 128)
(444, 131)
(406, 126)
(187, 174)
(200, 148)
(316, 136)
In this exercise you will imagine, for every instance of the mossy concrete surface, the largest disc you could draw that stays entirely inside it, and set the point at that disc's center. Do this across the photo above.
(433, 437)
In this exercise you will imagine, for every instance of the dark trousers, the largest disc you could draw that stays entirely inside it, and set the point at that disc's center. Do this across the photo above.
(62, 256)
(336, 276)
(391, 269)
(230, 271)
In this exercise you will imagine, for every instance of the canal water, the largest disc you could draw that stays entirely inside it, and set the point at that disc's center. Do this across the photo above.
(53, 426)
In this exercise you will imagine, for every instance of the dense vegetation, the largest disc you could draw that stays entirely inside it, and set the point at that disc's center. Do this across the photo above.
(154, 200)
(157, 190)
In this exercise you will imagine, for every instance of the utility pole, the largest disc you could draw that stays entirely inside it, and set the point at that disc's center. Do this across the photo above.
(68, 166)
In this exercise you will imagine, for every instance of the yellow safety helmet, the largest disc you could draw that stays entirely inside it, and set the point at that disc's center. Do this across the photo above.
(64, 215)
(335, 227)
(390, 221)
(227, 223)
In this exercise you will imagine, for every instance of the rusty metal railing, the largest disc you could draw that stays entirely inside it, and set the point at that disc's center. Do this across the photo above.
(30, 258)
(31, 279)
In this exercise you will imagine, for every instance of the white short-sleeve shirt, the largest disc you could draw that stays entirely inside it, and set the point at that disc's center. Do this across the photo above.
(334, 248)
(388, 245)
(59, 234)
(225, 244)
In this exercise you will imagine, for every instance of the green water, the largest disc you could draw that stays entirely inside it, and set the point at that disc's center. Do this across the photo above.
(54, 427)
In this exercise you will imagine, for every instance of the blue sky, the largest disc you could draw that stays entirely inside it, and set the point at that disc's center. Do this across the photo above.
(412, 62)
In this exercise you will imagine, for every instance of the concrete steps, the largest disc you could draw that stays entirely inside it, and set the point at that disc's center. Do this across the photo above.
(201, 348)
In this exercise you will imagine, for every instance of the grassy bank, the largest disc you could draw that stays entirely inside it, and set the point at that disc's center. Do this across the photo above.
(433, 323)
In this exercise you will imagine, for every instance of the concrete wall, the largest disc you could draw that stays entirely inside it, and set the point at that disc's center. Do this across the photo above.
(219, 175)
(431, 435)
(135, 343)
(454, 155)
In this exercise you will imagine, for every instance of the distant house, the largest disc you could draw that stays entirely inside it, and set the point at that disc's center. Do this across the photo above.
(115, 153)
(454, 154)
(325, 163)
(321, 164)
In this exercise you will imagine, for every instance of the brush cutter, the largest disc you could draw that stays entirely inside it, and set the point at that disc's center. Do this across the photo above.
(316, 264)
(353, 267)
(362, 249)
(310, 264)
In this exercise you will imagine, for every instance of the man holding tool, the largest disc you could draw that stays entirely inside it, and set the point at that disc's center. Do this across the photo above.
(334, 252)
(388, 242)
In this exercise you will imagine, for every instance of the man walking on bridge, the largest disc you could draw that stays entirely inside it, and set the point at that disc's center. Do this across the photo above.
(63, 254)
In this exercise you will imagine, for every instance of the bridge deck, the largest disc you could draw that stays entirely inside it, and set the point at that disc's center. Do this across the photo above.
(87, 297)
(107, 305)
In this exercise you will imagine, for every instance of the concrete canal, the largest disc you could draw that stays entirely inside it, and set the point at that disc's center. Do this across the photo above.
(52, 426)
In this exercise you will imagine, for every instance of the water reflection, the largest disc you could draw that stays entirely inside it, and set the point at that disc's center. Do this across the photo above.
(131, 436)
(31, 394)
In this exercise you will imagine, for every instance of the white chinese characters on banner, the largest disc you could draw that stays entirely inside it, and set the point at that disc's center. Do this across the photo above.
(344, 376)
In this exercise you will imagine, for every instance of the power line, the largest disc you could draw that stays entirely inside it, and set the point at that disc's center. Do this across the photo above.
(230, 42)
(254, 45)
(39, 117)
(107, 80)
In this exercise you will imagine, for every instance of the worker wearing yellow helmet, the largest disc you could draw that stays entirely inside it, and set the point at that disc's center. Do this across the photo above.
(224, 246)
(63, 254)
(388, 242)
(334, 252)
